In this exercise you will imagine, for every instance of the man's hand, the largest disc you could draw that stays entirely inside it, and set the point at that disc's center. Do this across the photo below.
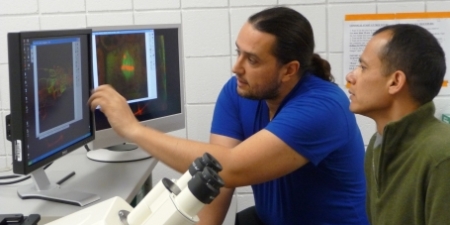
(116, 109)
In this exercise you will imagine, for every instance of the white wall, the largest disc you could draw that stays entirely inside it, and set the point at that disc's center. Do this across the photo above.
(209, 31)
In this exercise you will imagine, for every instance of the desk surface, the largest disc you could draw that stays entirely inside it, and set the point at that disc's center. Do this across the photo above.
(104, 179)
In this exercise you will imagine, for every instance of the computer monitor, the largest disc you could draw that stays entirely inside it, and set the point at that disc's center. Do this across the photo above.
(50, 76)
(144, 64)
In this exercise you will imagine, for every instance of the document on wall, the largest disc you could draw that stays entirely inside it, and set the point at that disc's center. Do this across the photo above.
(358, 30)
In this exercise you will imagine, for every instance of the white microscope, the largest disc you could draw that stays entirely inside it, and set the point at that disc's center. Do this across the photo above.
(168, 203)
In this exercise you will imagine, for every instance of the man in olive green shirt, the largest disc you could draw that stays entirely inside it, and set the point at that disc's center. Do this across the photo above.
(407, 162)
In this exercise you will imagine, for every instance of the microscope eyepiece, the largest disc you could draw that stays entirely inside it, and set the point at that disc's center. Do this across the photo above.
(212, 178)
(205, 185)
(201, 162)
(211, 162)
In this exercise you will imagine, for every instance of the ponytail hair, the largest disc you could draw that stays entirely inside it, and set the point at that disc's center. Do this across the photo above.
(321, 68)
(294, 39)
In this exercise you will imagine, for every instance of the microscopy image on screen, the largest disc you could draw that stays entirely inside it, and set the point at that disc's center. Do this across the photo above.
(55, 85)
(144, 58)
(121, 61)
(162, 70)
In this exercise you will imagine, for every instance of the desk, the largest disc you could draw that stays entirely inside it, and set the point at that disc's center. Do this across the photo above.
(104, 179)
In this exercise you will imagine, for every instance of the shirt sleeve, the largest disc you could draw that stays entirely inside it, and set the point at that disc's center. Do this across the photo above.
(226, 120)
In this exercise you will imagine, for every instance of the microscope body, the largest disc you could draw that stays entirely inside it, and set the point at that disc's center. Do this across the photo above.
(168, 203)
(169, 213)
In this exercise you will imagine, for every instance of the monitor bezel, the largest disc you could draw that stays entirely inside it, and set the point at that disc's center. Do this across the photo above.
(16, 131)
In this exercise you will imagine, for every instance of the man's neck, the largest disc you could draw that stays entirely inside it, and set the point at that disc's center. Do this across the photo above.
(274, 104)
(396, 112)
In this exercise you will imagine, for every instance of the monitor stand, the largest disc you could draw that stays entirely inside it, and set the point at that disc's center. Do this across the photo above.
(119, 153)
(43, 189)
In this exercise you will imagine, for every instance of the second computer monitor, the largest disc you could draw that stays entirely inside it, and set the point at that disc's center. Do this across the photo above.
(144, 64)
(50, 78)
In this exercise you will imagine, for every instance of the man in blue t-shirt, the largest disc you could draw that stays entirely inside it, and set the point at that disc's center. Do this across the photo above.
(280, 124)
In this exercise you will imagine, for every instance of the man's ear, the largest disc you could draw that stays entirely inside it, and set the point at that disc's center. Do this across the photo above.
(397, 82)
(290, 70)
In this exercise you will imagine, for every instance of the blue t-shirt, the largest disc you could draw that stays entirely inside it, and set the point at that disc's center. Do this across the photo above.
(314, 120)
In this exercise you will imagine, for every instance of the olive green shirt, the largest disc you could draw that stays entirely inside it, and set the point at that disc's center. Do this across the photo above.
(408, 172)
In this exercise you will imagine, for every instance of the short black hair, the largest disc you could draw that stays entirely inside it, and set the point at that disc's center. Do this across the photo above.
(415, 51)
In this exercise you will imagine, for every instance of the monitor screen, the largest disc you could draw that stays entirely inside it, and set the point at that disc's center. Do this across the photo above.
(143, 64)
(50, 81)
